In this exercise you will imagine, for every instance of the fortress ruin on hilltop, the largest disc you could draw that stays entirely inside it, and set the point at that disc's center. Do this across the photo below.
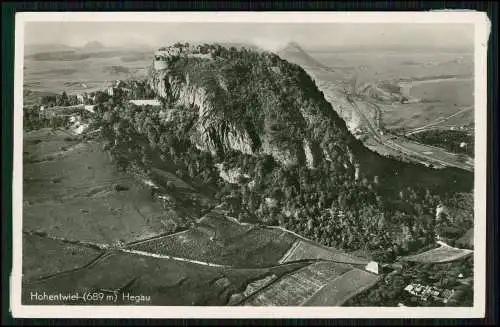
(162, 55)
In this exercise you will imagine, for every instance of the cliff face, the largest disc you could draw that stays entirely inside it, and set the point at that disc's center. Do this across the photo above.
(251, 102)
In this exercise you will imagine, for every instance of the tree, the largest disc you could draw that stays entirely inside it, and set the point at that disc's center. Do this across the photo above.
(48, 100)
(101, 97)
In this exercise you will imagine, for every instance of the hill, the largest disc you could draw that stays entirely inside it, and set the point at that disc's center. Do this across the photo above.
(258, 103)
(251, 102)
(290, 158)
(292, 52)
(93, 45)
(238, 129)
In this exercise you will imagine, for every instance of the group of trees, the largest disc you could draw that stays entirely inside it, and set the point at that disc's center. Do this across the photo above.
(33, 119)
(62, 99)
(138, 136)
(448, 139)
(330, 207)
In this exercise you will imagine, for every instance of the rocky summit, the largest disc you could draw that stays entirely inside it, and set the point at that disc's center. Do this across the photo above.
(250, 101)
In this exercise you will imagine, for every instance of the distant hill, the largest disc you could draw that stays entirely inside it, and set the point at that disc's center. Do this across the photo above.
(93, 45)
(426, 48)
(293, 52)
(30, 49)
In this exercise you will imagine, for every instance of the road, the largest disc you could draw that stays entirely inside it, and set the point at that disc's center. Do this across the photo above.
(445, 158)
(434, 123)
(401, 146)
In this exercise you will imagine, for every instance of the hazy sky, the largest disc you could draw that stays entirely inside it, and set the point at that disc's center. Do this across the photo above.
(266, 35)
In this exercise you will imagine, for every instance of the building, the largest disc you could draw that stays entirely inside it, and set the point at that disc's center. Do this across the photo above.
(126, 90)
(356, 171)
(159, 64)
(426, 292)
(110, 91)
(146, 102)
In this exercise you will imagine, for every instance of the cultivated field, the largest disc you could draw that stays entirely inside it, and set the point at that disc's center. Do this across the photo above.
(455, 91)
(441, 97)
(301, 250)
(410, 116)
(166, 282)
(218, 240)
(299, 288)
(343, 288)
(438, 255)
(70, 192)
(43, 256)
(377, 65)
(84, 72)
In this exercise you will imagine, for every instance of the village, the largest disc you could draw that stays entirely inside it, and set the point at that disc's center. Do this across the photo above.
(84, 104)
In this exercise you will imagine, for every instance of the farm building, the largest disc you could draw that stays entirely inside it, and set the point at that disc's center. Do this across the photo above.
(152, 102)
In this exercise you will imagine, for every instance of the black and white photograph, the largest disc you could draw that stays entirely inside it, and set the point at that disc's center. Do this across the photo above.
(250, 165)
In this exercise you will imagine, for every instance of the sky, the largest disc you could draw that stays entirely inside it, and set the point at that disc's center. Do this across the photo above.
(269, 36)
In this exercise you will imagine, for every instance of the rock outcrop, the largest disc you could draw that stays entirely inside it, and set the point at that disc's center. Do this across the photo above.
(255, 103)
